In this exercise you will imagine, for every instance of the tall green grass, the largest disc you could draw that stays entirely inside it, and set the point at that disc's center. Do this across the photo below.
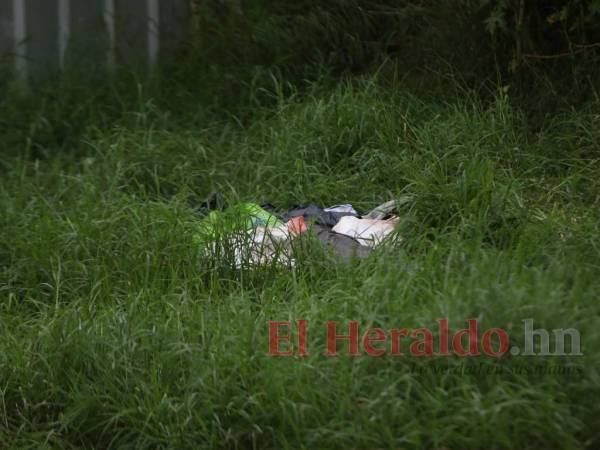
(115, 335)
(116, 332)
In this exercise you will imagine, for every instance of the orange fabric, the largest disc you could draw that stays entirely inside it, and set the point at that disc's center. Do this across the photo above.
(296, 225)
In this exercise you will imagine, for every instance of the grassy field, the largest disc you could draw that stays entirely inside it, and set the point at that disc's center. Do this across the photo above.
(115, 333)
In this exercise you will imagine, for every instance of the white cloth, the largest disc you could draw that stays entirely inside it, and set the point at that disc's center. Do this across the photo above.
(256, 247)
(345, 208)
(369, 232)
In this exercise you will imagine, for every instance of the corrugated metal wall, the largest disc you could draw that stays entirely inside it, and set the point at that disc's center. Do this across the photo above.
(40, 36)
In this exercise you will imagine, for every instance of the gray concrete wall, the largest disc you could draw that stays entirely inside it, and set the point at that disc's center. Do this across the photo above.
(89, 38)
(6, 30)
(62, 32)
(42, 35)
(174, 25)
(131, 27)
